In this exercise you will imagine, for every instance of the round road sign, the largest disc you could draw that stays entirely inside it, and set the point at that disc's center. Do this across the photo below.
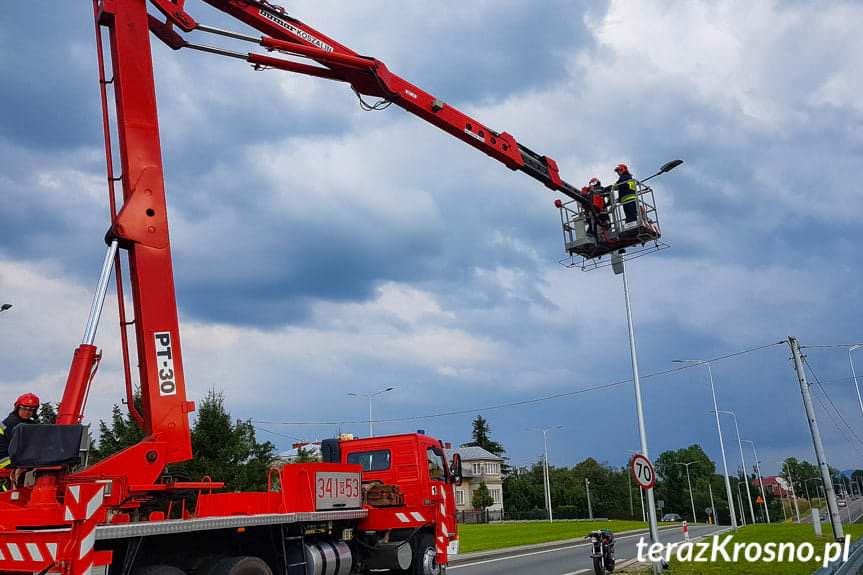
(642, 471)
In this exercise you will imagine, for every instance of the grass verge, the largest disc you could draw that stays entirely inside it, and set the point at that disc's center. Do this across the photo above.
(500, 535)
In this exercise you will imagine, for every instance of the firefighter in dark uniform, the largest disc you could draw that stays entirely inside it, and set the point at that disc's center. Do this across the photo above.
(627, 193)
(24, 412)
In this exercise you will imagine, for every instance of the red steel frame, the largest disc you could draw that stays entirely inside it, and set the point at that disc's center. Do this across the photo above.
(81, 500)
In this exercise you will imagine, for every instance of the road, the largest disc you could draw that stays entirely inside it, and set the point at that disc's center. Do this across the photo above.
(854, 507)
(570, 560)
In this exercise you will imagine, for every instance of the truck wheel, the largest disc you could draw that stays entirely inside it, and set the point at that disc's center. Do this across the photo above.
(158, 570)
(425, 557)
(239, 566)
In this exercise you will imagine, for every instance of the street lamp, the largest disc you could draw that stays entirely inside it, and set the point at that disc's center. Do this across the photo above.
(737, 483)
(854, 375)
(546, 477)
(5, 306)
(719, 431)
(370, 397)
(743, 464)
(760, 481)
(806, 486)
(689, 484)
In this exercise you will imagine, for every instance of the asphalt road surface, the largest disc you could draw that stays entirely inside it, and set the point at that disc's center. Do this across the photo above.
(569, 560)
(854, 510)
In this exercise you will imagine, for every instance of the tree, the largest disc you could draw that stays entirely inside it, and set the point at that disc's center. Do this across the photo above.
(306, 456)
(482, 497)
(47, 413)
(226, 452)
(482, 438)
(122, 433)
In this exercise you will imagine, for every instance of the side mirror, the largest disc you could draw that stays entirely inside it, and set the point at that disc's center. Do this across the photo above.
(455, 470)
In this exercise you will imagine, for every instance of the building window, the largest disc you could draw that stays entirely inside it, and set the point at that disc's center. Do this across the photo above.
(496, 496)
(459, 497)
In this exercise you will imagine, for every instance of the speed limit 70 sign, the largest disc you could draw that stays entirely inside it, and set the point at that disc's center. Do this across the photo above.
(642, 471)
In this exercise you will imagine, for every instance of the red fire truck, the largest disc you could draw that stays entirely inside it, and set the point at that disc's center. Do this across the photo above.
(375, 503)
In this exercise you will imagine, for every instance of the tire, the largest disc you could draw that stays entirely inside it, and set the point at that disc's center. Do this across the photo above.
(425, 557)
(598, 567)
(158, 570)
(244, 565)
(609, 564)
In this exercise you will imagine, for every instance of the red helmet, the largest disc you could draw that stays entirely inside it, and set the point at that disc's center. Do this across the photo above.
(621, 168)
(594, 182)
(27, 400)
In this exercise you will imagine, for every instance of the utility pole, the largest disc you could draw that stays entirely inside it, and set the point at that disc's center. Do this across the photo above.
(836, 523)
(589, 508)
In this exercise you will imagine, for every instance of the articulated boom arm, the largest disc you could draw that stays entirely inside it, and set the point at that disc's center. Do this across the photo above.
(368, 76)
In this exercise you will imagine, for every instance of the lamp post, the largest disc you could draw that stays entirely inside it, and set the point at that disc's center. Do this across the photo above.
(806, 486)
(640, 490)
(854, 375)
(719, 431)
(617, 264)
(743, 465)
(760, 481)
(740, 503)
(689, 484)
(546, 477)
(370, 396)
(796, 508)
(589, 507)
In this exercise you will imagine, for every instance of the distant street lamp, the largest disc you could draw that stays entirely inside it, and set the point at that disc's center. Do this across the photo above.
(719, 431)
(689, 483)
(5, 306)
(742, 464)
(546, 477)
(370, 397)
(806, 487)
(640, 491)
(760, 481)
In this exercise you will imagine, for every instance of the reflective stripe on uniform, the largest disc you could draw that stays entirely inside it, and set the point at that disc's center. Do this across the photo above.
(5, 462)
(628, 198)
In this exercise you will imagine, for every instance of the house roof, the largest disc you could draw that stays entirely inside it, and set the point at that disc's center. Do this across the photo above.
(475, 453)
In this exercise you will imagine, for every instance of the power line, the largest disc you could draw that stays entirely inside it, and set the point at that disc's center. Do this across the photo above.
(827, 395)
(836, 425)
(522, 402)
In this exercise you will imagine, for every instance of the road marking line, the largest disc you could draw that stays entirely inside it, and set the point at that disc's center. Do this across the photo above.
(577, 572)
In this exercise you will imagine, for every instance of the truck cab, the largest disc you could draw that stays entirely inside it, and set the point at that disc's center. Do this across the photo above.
(409, 492)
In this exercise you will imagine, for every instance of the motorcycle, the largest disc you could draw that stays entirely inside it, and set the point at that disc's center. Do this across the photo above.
(602, 551)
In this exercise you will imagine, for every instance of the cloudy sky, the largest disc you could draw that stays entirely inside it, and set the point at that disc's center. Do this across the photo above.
(320, 249)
